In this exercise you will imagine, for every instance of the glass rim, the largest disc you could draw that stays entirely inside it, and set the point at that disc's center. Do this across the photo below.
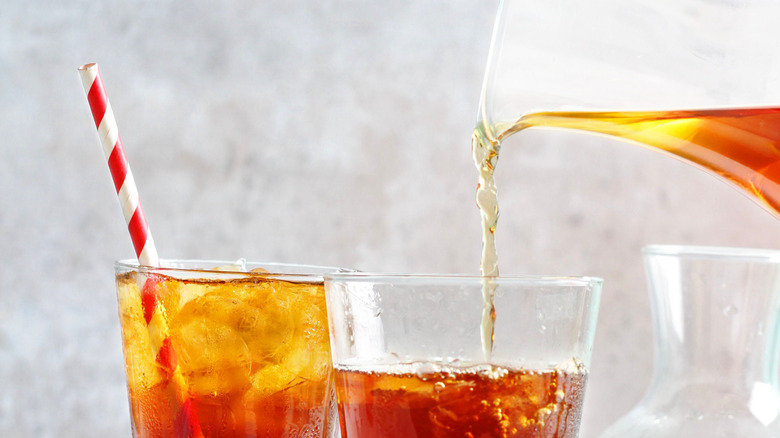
(201, 266)
(548, 280)
(713, 252)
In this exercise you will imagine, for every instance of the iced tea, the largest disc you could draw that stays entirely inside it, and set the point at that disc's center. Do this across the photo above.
(252, 349)
(477, 402)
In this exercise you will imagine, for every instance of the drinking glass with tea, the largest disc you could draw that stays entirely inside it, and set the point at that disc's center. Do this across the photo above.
(246, 352)
(409, 359)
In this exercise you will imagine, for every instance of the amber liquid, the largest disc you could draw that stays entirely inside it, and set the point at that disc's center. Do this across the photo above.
(740, 145)
(475, 403)
(254, 354)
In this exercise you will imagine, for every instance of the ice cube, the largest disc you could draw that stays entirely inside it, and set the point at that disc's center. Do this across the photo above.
(212, 354)
(237, 266)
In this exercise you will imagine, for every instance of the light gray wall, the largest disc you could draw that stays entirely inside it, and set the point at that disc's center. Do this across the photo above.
(329, 132)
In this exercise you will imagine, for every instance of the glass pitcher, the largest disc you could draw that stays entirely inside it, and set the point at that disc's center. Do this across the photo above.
(695, 79)
(716, 316)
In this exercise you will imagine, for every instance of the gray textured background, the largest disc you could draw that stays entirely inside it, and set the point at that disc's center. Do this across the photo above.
(330, 132)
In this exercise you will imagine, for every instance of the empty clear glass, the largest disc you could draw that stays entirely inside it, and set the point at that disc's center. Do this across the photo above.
(715, 319)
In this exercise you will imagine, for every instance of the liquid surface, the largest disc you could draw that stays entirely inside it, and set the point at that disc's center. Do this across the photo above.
(475, 403)
(254, 354)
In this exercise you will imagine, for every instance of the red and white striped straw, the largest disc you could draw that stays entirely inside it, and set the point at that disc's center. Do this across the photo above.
(187, 424)
(117, 164)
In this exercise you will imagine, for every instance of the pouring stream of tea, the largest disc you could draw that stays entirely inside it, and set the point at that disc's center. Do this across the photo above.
(740, 145)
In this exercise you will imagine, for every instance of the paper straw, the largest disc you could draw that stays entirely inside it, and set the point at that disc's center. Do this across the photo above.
(117, 164)
(186, 423)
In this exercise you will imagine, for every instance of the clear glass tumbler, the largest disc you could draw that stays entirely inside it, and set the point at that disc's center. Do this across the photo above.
(226, 349)
(408, 357)
(715, 319)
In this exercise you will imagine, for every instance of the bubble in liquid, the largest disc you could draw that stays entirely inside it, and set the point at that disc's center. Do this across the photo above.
(424, 370)
(311, 430)
(730, 310)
